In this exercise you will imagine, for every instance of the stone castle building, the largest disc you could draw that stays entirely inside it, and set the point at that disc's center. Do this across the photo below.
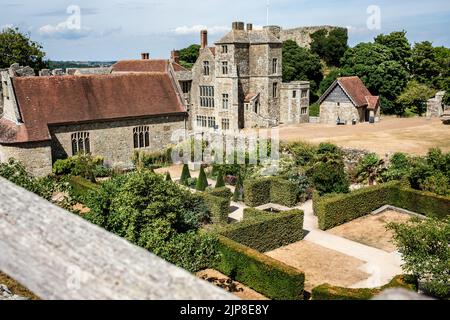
(348, 100)
(238, 84)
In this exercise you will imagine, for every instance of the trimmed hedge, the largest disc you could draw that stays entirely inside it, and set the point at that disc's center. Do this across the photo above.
(222, 192)
(80, 187)
(257, 192)
(219, 208)
(329, 292)
(270, 190)
(334, 210)
(264, 231)
(263, 274)
(426, 203)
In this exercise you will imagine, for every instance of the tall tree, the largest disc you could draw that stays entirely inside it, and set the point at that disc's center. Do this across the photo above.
(375, 65)
(424, 65)
(330, 45)
(399, 46)
(415, 97)
(301, 64)
(17, 47)
(189, 55)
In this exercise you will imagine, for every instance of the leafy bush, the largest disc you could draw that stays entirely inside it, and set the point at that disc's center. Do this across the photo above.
(425, 249)
(81, 188)
(155, 214)
(222, 192)
(370, 168)
(84, 165)
(152, 160)
(283, 192)
(303, 152)
(314, 110)
(265, 231)
(44, 187)
(257, 192)
(329, 177)
(202, 181)
(268, 276)
(330, 292)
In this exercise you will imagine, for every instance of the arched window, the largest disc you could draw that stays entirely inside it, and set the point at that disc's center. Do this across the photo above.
(141, 137)
(80, 143)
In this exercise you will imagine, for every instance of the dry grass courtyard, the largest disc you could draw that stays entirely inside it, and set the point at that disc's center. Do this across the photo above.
(391, 134)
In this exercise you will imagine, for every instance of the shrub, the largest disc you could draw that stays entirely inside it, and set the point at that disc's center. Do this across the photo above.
(329, 177)
(264, 231)
(84, 165)
(168, 177)
(152, 160)
(268, 276)
(370, 168)
(273, 189)
(81, 188)
(185, 175)
(238, 194)
(330, 292)
(334, 210)
(219, 208)
(283, 192)
(202, 181)
(303, 152)
(155, 214)
(220, 181)
(425, 249)
(257, 192)
(222, 192)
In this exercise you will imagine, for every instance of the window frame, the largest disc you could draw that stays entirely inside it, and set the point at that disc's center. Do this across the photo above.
(141, 137)
(206, 68)
(81, 142)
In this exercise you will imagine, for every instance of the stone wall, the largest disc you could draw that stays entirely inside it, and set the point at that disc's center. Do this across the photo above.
(113, 140)
(300, 35)
(435, 107)
(35, 156)
(331, 111)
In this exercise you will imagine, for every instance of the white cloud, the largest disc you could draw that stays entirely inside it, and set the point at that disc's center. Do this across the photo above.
(359, 30)
(185, 30)
(6, 26)
(64, 30)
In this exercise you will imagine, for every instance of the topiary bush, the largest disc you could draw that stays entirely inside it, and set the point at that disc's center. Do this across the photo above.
(264, 231)
(222, 192)
(268, 276)
(219, 208)
(220, 181)
(185, 175)
(270, 190)
(202, 181)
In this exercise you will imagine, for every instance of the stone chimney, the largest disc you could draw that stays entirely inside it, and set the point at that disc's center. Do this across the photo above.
(249, 26)
(175, 56)
(145, 56)
(238, 25)
(204, 39)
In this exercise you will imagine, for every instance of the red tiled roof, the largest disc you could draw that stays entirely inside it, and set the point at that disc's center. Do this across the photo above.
(45, 101)
(356, 89)
(372, 102)
(249, 97)
(150, 65)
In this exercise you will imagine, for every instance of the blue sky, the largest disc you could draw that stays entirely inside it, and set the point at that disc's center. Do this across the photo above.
(120, 29)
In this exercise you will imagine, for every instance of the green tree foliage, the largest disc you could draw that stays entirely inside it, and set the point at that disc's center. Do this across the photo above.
(398, 167)
(330, 46)
(189, 55)
(375, 65)
(332, 76)
(327, 171)
(370, 169)
(17, 47)
(424, 244)
(301, 64)
(399, 46)
(202, 181)
(155, 214)
(220, 180)
(185, 175)
(415, 97)
(424, 65)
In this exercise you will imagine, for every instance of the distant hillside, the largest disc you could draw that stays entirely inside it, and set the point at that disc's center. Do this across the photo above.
(79, 64)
